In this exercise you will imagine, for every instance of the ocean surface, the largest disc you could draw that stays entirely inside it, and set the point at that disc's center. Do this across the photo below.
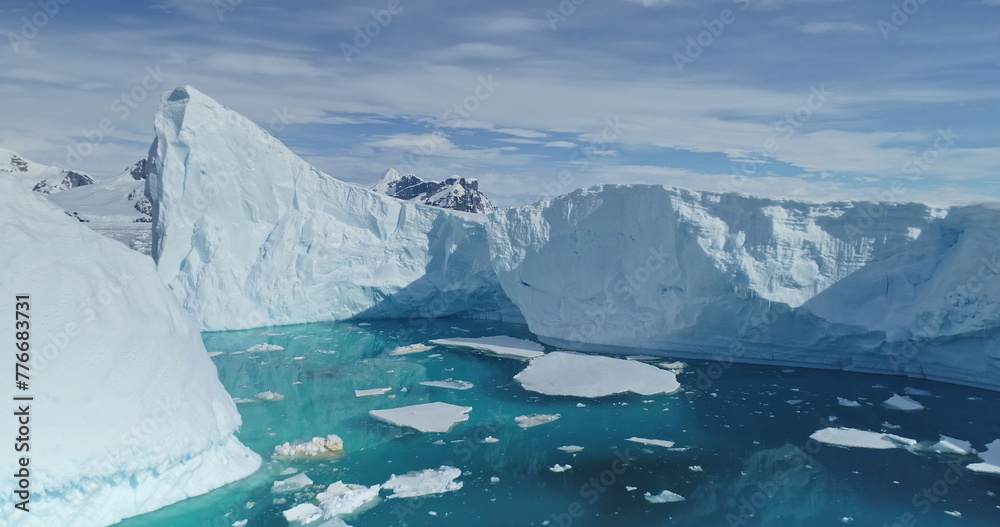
(742, 453)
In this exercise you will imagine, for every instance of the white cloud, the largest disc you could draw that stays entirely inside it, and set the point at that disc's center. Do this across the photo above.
(834, 27)
(520, 132)
(251, 64)
(560, 144)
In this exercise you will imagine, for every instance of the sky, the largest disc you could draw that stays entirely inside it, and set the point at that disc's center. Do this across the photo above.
(806, 99)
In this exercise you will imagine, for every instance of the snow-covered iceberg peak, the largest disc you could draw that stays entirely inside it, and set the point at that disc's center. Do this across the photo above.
(247, 234)
(128, 412)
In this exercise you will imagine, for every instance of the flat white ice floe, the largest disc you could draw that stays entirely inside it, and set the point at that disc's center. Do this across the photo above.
(851, 437)
(412, 348)
(265, 347)
(292, 484)
(371, 392)
(528, 421)
(848, 402)
(950, 445)
(303, 513)
(991, 459)
(560, 468)
(429, 417)
(580, 375)
(500, 346)
(572, 449)
(269, 396)
(342, 499)
(901, 402)
(663, 497)
(651, 442)
(425, 482)
(317, 447)
(451, 384)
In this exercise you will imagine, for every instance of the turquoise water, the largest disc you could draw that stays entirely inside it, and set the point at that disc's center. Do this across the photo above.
(757, 465)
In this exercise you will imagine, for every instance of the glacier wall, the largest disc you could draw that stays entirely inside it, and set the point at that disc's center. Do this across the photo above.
(128, 413)
(859, 286)
(247, 234)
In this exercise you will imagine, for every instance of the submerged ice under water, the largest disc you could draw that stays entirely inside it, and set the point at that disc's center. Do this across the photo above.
(741, 454)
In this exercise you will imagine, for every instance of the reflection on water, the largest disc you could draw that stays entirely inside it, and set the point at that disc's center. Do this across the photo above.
(742, 454)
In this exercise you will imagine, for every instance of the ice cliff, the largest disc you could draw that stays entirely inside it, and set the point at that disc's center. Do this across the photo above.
(247, 234)
(128, 412)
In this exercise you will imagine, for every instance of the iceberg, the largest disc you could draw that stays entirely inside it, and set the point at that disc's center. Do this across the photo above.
(663, 497)
(130, 413)
(575, 374)
(991, 460)
(429, 417)
(247, 234)
(901, 402)
(331, 445)
(950, 445)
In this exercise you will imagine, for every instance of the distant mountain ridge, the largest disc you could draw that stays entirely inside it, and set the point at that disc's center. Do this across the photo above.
(455, 193)
(41, 178)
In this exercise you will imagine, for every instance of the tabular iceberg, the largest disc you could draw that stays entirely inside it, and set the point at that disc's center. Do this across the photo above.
(128, 412)
(247, 234)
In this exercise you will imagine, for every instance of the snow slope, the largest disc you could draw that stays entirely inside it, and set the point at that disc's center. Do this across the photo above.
(129, 414)
(247, 234)
(120, 199)
(40, 178)
(860, 286)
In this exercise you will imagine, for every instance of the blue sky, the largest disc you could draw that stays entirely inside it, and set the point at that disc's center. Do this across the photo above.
(815, 99)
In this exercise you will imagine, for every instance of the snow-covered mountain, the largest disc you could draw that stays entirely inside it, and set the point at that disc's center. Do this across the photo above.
(121, 198)
(255, 236)
(248, 234)
(41, 178)
(129, 414)
(455, 193)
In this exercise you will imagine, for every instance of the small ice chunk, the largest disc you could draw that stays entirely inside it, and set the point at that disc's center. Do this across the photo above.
(344, 498)
(696, 468)
(848, 403)
(651, 442)
(572, 449)
(292, 484)
(582, 375)
(327, 352)
(499, 346)
(240, 523)
(528, 421)
(560, 468)
(243, 400)
(265, 347)
(794, 402)
(450, 384)
(425, 482)
(429, 417)
(412, 348)
(581, 405)
(303, 513)
(890, 426)
(288, 471)
(494, 479)
(663, 497)
(490, 439)
(915, 391)
(269, 396)
(316, 447)
(900, 402)
(991, 459)
(630, 488)
(214, 353)
(372, 391)
(851, 437)
(950, 445)
(954, 514)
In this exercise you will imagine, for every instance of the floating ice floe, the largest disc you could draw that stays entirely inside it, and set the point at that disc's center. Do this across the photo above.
(342, 499)
(214, 353)
(412, 348)
(528, 421)
(915, 391)
(317, 447)
(243, 400)
(429, 417)
(292, 484)
(950, 445)
(696, 468)
(991, 459)
(651, 442)
(269, 396)
(663, 497)
(854, 438)
(288, 471)
(265, 347)
(890, 426)
(327, 352)
(371, 392)
(425, 482)
(240, 523)
(901, 402)
(580, 375)
(303, 513)
(490, 439)
(572, 449)
(560, 468)
(954, 514)
(451, 384)
(848, 403)
(499, 346)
